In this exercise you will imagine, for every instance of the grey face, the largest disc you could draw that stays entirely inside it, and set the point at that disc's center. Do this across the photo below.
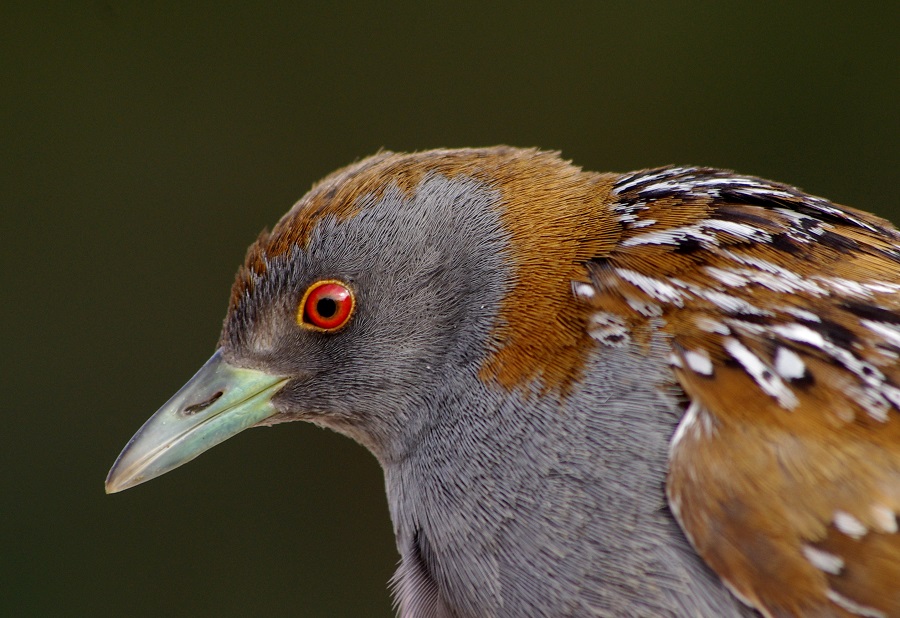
(427, 272)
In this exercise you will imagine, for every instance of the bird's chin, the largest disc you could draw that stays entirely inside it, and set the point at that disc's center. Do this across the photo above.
(351, 427)
(279, 418)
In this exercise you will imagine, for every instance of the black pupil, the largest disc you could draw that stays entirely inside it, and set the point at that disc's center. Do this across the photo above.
(326, 307)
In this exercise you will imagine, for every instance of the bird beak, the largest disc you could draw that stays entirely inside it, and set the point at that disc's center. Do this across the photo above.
(220, 401)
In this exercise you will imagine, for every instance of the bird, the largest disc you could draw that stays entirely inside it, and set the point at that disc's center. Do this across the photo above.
(668, 392)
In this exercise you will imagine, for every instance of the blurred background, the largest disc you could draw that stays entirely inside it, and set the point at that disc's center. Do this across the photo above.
(144, 146)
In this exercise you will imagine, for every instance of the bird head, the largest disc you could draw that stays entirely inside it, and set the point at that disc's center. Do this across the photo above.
(380, 287)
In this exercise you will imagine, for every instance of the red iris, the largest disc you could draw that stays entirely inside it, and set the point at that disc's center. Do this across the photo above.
(327, 305)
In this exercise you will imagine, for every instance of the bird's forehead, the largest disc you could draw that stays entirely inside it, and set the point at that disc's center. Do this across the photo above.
(555, 218)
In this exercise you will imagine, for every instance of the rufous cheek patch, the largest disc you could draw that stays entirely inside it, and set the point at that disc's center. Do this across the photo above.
(558, 220)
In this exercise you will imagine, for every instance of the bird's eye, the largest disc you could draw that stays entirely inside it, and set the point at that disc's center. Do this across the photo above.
(326, 306)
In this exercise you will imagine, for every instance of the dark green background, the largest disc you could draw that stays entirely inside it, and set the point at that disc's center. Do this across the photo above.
(144, 148)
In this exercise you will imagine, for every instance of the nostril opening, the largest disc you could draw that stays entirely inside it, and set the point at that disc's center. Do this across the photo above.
(197, 407)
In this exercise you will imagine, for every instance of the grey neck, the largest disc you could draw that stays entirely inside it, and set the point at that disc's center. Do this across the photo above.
(518, 505)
